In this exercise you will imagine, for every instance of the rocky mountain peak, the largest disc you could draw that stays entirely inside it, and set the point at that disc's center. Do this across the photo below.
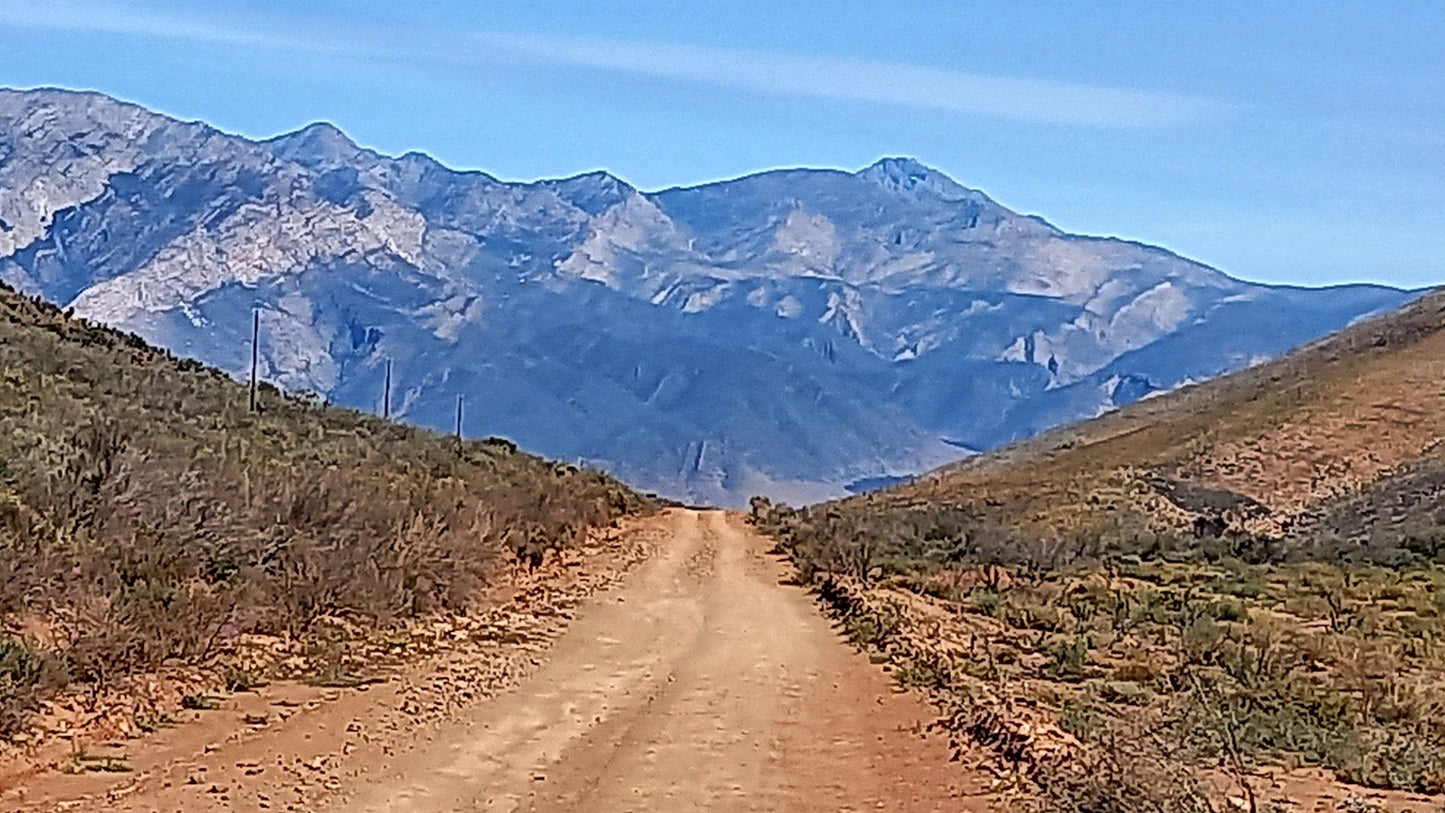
(319, 145)
(902, 174)
(900, 170)
(791, 332)
(593, 192)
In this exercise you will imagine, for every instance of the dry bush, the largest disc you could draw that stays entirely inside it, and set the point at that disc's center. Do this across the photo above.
(1282, 661)
(24, 676)
(144, 509)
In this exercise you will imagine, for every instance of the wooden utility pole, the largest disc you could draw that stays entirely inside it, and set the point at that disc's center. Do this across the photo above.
(386, 394)
(459, 420)
(255, 352)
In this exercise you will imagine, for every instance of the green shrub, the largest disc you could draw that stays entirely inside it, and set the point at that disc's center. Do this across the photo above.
(986, 601)
(1067, 656)
(24, 674)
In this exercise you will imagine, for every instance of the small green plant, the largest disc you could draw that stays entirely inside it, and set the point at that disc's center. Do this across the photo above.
(238, 679)
(198, 702)
(1229, 609)
(1068, 657)
(24, 675)
(873, 628)
(151, 723)
(927, 670)
(83, 761)
(986, 601)
(1081, 719)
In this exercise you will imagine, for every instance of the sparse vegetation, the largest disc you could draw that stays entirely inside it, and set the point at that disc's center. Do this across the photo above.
(83, 761)
(24, 675)
(1241, 574)
(1293, 663)
(146, 515)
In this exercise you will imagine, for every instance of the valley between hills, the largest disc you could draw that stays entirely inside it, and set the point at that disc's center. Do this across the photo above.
(1140, 544)
(798, 333)
(1107, 617)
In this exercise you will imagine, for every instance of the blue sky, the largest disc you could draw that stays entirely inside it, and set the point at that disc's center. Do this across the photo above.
(1285, 142)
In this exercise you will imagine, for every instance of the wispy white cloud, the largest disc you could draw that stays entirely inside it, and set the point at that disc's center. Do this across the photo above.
(919, 87)
(85, 17)
(915, 86)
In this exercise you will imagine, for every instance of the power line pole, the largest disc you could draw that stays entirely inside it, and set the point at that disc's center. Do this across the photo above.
(459, 420)
(255, 351)
(386, 395)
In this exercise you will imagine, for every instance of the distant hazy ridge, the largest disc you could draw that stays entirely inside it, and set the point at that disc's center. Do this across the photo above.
(791, 332)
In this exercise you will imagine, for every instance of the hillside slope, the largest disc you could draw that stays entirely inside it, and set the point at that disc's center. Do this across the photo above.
(1339, 440)
(794, 332)
(147, 516)
(1198, 591)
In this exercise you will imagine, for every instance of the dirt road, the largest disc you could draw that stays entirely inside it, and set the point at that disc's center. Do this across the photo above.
(703, 682)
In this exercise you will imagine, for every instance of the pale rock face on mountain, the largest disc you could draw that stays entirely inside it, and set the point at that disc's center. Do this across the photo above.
(795, 333)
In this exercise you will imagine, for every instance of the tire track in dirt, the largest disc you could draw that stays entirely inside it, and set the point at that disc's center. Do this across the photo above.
(704, 681)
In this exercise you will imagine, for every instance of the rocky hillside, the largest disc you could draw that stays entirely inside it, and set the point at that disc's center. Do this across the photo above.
(797, 333)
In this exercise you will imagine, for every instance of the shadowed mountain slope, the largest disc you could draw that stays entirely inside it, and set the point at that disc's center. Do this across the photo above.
(795, 332)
